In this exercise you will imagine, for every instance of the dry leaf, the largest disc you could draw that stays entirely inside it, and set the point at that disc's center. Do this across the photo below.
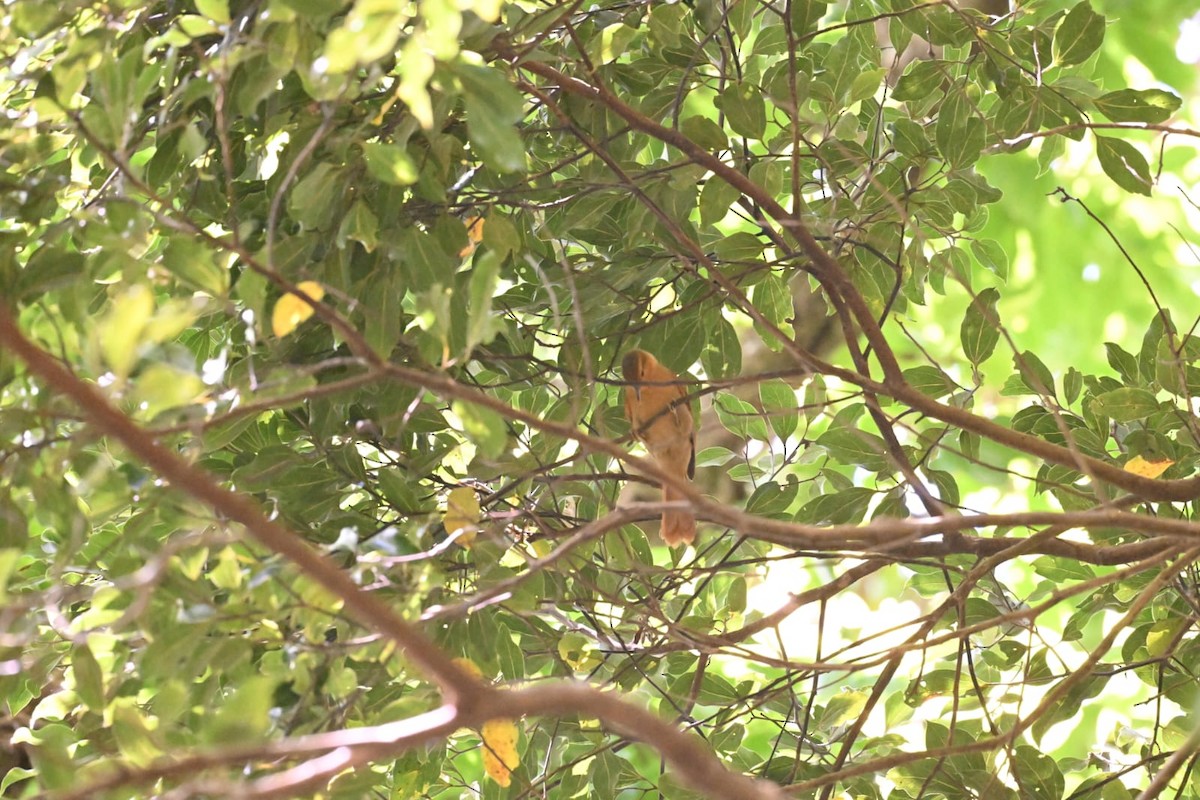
(462, 515)
(474, 235)
(1147, 469)
(291, 310)
(500, 756)
(468, 666)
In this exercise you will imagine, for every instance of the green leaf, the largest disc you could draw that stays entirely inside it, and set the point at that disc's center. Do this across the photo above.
(389, 163)
(316, 199)
(1174, 364)
(838, 508)
(424, 261)
(50, 268)
(740, 418)
(481, 323)
(744, 109)
(722, 353)
(1072, 385)
(501, 236)
(980, 329)
(679, 340)
(666, 24)
(1124, 163)
(382, 306)
(1036, 374)
(121, 335)
(773, 300)
(716, 199)
(770, 499)
(89, 677)
(780, 406)
(922, 78)
(929, 380)
(1051, 150)
(243, 714)
(15, 775)
(1123, 362)
(991, 256)
(603, 774)
(1079, 35)
(942, 26)
(216, 10)
(1147, 359)
(493, 109)
(508, 654)
(1125, 405)
(483, 426)
(740, 246)
(9, 555)
(951, 126)
(164, 386)
(195, 264)
(359, 225)
(704, 132)
(1138, 105)
(115, 91)
(947, 486)
(806, 14)
(842, 67)
(909, 139)
(403, 492)
(852, 446)
(317, 9)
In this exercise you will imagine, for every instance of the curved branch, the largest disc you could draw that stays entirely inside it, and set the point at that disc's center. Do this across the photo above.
(694, 763)
(459, 687)
(470, 702)
(893, 384)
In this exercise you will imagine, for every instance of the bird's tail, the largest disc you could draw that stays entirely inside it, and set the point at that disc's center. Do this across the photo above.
(678, 527)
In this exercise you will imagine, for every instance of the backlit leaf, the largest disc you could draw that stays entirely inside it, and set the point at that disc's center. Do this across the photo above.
(291, 310)
(500, 755)
(1147, 469)
(461, 517)
(980, 330)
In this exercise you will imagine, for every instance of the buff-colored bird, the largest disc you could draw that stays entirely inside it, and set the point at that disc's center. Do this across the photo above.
(662, 420)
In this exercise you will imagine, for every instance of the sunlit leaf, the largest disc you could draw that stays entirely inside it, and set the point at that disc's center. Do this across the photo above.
(1079, 34)
(1124, 163)
(493, 106)
(980, 330)
(474, 226)
(291, 310)
(1147, 469)
(462, 515)
(500, 754)
(389, 163)
(1138, 105)
(485, 427)
(1125, 405)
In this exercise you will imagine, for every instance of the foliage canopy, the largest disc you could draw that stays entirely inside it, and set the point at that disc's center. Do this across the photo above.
(309, 410)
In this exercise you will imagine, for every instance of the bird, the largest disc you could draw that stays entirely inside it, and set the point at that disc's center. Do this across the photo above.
(660, 418)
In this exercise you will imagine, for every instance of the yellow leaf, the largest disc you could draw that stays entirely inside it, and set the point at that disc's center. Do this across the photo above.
(577, 652)
(291, 310)
(468, 666)
(462, 515)
(1147, 469)
(1161, 635)
(500, 756)
(121, 331)
(474, 235)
